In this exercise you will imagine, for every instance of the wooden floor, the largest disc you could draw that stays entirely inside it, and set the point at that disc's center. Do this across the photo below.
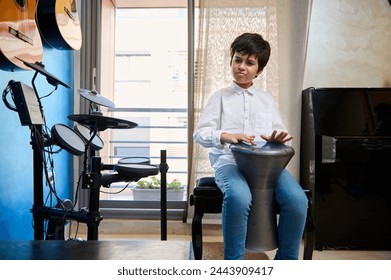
(94, 250)
(212, 238)
(141, 240)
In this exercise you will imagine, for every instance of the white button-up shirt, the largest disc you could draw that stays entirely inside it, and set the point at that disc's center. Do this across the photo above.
(235, 110)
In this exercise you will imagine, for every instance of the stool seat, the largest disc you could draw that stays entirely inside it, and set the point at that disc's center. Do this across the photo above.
(207, 190)
(207, 198)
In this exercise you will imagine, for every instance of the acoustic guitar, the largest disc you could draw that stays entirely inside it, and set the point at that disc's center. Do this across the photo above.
(59, 24)
(19, 34)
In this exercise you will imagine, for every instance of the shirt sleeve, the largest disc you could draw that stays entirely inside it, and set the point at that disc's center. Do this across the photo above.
(277, 120)
(208, 130)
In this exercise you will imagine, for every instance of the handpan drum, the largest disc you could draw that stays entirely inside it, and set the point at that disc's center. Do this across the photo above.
(68, 139)
(261, 166)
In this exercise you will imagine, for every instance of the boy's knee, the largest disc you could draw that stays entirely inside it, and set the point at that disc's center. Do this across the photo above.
(300, 204)
(238, 200)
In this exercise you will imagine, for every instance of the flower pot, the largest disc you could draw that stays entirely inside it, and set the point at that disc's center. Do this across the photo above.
(154, 194)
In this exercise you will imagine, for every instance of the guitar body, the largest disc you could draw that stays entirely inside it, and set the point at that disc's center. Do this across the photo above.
(19, 34)
(59, 24)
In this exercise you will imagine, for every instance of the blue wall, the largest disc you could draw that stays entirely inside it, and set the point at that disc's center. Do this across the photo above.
(16, 167)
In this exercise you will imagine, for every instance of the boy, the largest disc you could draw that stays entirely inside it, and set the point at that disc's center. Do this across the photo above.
(239, 113)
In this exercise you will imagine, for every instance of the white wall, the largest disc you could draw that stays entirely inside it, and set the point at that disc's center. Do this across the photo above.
(292, 21)
(349, 44)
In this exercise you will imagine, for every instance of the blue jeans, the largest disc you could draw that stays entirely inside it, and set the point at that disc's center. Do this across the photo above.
(237, 201)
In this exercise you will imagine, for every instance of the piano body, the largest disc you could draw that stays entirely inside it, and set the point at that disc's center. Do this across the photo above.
(346, 163)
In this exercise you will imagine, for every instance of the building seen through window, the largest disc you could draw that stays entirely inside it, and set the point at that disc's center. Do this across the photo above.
(150, 89)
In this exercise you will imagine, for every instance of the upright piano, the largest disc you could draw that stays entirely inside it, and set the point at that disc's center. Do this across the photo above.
(346, 163)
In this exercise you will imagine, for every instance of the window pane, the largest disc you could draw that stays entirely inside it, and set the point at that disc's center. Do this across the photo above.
(150, 90)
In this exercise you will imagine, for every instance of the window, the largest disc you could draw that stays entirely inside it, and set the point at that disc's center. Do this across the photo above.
(150, 89)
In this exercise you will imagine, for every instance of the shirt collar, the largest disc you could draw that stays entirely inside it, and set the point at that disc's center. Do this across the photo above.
(237, 89)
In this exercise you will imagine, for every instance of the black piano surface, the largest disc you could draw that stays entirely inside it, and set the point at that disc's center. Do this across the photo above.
(346, 162)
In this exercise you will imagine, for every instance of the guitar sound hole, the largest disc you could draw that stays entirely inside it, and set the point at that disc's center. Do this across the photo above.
(21, 3)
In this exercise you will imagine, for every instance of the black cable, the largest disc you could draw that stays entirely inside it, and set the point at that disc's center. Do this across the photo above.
(77, 230)
(77, 190)
(6, 91)
(120, 191)
(50, 93)
(40, 145)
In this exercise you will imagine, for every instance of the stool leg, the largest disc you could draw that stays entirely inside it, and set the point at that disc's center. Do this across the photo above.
(197, 235)
(309, 239)
(309, 232)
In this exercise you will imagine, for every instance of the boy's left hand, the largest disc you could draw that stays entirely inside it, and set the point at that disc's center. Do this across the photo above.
(278, 137)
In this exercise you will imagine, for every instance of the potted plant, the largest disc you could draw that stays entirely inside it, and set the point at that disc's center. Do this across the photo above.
(149, 189)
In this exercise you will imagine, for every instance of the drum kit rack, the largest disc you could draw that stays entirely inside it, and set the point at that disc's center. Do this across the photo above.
(82, 140)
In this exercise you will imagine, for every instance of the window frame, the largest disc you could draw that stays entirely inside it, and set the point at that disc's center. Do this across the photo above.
(139, 209)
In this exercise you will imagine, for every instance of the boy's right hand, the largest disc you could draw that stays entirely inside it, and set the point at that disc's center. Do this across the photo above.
(278, 137)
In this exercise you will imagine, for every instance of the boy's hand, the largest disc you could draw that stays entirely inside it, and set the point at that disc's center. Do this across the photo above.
(236, 138)
(278, 137)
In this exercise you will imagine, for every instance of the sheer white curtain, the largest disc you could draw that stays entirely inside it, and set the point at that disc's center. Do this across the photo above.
(89, 62)
(220, 22)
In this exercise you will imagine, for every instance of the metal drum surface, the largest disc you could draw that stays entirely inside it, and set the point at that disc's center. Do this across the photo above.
(261, 166)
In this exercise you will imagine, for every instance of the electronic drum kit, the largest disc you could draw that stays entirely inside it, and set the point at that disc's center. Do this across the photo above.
(82, 139)
(84, 136)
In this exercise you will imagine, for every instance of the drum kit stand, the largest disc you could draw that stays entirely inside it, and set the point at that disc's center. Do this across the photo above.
(82, 140)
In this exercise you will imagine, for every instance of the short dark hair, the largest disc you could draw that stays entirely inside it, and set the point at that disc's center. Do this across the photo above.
(252, 44)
